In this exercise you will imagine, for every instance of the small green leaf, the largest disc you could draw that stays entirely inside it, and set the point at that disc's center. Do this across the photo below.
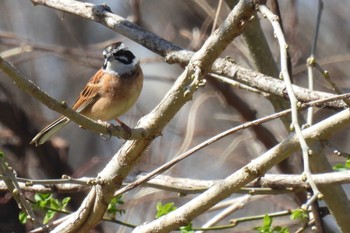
(42, 196)
(164, 209)
(347, 164)
(48, 216)
(45, 201)
(187, 229)
(267, 221)
(55, 204)
(119, 199)
(65, 202)
(37, 197)
(279, 229)
(267, 227)
(42, 199)
(112, 208)
(342, 167)
(339, 167)
(299, 214)
(22, 217)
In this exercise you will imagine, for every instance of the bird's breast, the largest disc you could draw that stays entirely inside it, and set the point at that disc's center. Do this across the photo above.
(117, 96)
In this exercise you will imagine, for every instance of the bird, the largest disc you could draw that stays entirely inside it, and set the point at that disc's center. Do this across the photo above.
(110, 93)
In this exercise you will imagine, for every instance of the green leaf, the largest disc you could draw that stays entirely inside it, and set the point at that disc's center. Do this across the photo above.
(112, 209)
(42, 196)
(279, 229)
(267, 227)
(347, 164)
(65, 202)
(55, 204)
(48, 216)
(164, 209)
(187, 229)
(22, 217)
(339, 167)
(299, 214)
(42, 199)
(267, 221)
(167, 208)
(46, 201)
(342, 167)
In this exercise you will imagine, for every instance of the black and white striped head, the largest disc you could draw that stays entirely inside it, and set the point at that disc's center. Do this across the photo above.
(119, 59)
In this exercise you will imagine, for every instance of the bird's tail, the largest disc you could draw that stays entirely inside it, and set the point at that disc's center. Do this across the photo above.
(49, 131)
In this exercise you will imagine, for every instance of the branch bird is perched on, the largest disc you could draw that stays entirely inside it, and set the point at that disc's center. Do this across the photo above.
(110, 93)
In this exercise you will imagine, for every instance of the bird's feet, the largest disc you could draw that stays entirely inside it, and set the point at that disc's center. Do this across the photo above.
(125, 127)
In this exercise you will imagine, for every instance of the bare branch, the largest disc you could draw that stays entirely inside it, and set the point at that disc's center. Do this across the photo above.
(293, 100)
(273, 181)
(15, 189)
(188, 186)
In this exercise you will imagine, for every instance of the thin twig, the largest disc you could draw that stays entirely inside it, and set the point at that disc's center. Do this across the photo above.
(239, 203)
(66, 180)
(327, 77)
(317, 28)
(306, 151)
(257, 217)
(310, 75)
(216, 15)
(239, 85)
(15, 190)
(312, 58)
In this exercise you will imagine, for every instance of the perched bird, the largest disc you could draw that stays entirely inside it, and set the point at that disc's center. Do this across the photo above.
(110, 93)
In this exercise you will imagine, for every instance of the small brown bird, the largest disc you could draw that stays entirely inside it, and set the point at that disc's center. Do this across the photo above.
(110, 93)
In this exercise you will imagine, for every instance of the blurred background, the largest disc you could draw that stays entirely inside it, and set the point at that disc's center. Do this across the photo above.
(60, 52)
